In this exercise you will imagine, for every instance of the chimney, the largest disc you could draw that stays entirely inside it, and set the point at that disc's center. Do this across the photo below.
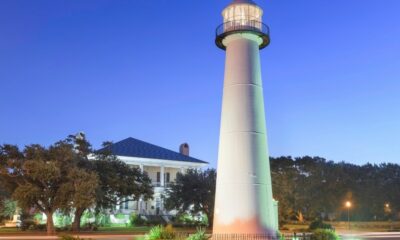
(184, 149)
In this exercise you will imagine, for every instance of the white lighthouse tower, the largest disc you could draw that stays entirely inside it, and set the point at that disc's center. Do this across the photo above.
(244, 203)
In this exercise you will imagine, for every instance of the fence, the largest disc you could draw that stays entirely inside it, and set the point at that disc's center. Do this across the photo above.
(302, 236)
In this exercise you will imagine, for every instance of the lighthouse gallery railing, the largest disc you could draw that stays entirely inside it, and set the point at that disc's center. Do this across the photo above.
(242, 26)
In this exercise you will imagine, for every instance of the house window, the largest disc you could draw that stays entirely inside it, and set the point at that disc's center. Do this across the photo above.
(167, 177)
(126, 204)
(158, 177)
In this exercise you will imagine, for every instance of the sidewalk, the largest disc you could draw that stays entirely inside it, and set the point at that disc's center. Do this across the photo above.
(83, 236)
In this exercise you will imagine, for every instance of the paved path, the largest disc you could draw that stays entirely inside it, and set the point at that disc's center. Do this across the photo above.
(372, 235)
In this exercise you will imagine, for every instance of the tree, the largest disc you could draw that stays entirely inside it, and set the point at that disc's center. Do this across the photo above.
(193, 192)
(119, 182)
(82, 183)
(8, 208)
(318, 188)
(116, 182)
(4, 195)
(81, 188)
(38, 174)
(285, 178)
(43, 177)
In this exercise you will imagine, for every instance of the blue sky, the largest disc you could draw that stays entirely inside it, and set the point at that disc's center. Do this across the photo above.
(150, 70)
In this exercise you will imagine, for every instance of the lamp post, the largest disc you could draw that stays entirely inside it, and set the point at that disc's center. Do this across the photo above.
(388, 212)
(348, 206)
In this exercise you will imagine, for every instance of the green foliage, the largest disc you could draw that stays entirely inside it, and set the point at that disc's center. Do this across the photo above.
(102, 219)
(48, 179)
(62, 177)
(119, 181)
(324, 234)
(319, 224)
(62, 220)
(120, 216)
(87, 217)
(160, 232)
(38, 217)
(280, 236)
(133, 219)
(80, 187)
(136, 220)
(190, 220)
(8, 208)
(155, 233)
(199, 235)
(193, 192)
(185, 218)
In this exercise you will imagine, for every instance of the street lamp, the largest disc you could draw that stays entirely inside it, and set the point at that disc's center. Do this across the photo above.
(348, 206)
(388, 212)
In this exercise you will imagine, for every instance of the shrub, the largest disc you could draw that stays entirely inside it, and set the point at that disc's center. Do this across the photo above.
(102, 219)
(69, 237)
(319, 224)
(154, 233)
(187, 220)
(89, 227)
(119, 216)
(154, 222)
(136, 220)
(160, 232)
(199, 235)
(35, 226)
(62, 220)
(280, 236)
(324, 234)
(28, 224)
(87, 217)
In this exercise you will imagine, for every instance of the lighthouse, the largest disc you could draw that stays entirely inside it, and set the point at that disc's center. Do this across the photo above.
(244, 203)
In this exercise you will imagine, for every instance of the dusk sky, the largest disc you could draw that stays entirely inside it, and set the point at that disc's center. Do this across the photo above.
(150, 70)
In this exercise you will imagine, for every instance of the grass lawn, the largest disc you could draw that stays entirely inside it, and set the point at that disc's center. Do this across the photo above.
(111, 230)
(9, 230)
(115, 229)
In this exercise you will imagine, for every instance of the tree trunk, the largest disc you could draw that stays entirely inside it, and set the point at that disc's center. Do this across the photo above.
(210, 218)
(76, 225)
(50, 223)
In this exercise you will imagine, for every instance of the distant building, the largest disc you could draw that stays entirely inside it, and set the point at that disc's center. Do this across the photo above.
(161, 164)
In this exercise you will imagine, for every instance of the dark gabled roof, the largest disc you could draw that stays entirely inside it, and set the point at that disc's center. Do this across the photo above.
(132, 147)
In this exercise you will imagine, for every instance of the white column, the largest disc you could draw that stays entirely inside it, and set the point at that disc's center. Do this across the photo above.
(141, 198)
(182, 170)
(162, 177)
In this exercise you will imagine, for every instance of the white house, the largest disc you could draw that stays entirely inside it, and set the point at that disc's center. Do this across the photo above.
(161, 164)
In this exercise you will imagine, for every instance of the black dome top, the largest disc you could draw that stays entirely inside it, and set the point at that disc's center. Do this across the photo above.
(234, 2)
